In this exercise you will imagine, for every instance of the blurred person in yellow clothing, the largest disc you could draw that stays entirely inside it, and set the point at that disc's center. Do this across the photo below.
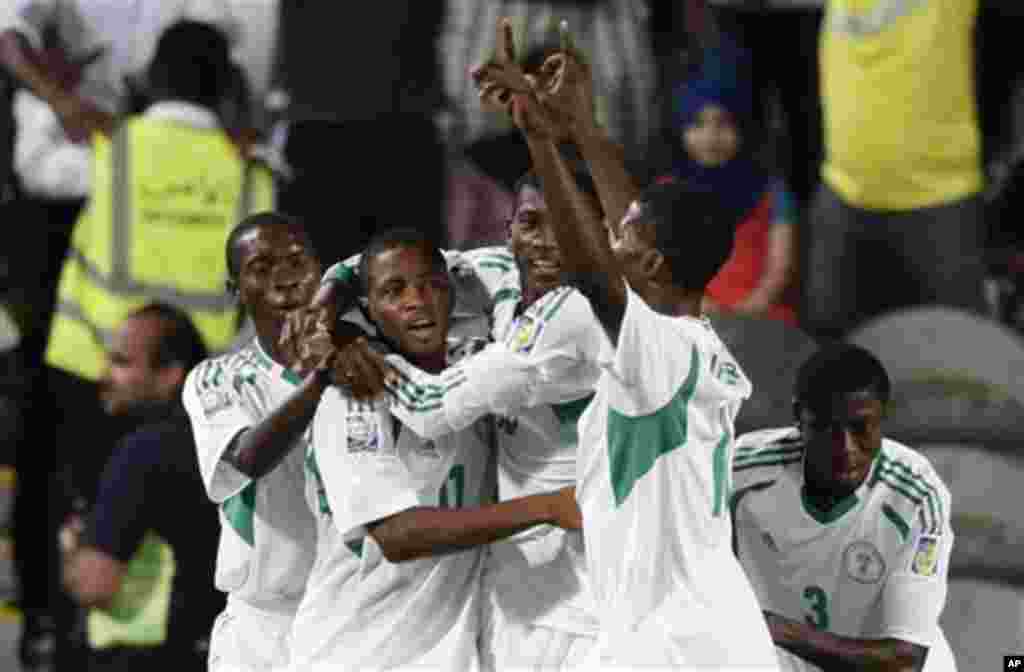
(898, 218)
(166, 188)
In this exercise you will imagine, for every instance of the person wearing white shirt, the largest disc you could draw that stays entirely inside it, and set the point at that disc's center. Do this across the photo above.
(118, 38)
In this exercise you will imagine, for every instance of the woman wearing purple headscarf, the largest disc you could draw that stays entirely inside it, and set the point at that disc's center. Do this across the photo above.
(712, 122)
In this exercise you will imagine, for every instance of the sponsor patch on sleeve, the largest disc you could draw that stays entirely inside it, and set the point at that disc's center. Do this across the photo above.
(926, 555)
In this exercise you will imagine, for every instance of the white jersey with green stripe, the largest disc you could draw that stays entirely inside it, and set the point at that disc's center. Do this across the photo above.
(655, 448)
(538, 377)
(873, 567)
(360, 610)
(267, 534)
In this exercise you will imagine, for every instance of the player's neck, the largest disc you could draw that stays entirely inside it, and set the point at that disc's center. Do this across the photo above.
(672, 301)
(269, 337)
(431, 363)
(824, 497)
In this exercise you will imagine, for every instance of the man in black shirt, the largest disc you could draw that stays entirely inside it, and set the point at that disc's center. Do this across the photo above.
(151, 519)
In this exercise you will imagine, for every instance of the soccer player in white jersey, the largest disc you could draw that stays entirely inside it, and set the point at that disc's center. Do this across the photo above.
(248, 412)
(400, 518)
(538, 376)
(656, 442)
(844, 534)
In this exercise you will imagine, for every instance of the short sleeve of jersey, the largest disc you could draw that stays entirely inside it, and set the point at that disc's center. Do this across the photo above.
(652, 359)
(363, 478)
(495, 267)
(566, 351)
(915, 591)
(217, 417)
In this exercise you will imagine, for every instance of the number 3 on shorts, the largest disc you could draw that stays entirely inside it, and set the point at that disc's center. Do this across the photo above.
(817, 602)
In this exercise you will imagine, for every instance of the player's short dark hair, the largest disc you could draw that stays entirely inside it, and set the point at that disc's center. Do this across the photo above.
(584, 181)
(179, 342)
(251, 223)
(398, 237)
(839, 369)
(192, 61)
(693, 229)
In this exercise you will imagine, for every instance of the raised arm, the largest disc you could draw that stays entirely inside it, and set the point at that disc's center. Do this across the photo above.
(79, 117)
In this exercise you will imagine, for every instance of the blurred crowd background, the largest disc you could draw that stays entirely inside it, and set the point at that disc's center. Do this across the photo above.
(875, 150)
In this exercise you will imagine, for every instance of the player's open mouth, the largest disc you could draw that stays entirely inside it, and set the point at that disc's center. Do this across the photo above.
(546, 266)
(422, 328)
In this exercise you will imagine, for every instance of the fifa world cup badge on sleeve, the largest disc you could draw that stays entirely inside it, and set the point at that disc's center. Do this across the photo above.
(926, 555)
(526, 333)
(363, 432)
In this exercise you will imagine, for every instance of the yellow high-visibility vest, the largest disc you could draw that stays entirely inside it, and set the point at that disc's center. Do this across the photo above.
(165, 197)
(140, 611)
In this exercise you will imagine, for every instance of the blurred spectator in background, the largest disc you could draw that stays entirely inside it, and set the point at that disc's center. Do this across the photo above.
(615, 37)
(782, 34)
(360, 90)
(715, 145)
(116, 39)
(143, 564)
(168, 186)
(898, 218)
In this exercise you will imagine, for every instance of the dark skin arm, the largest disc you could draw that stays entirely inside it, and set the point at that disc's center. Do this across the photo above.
(564, 87)
(323, 358)
(834, 652)
(429, 531)
(584, 240)
(257, 450)
(79, 117)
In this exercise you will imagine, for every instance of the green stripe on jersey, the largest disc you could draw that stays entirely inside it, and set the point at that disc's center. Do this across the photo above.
(901, 474)
(915, 499)
(239, 510)
(773, 454)
(507, 294)
(636, 443)
(896, 519)
(507, 268)
(750, 464)
(557, 304)
(781, 444)
(423, 400)
(568, 416)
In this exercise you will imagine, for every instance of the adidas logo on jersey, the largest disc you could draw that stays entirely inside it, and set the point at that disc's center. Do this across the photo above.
(769, 541)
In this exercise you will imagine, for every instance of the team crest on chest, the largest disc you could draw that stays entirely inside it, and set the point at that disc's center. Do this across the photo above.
(863, 563)
(525, 333)
(926, 555)
(363, 432)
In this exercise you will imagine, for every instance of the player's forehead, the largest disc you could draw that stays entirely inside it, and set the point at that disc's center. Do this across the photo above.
(844, 406)
(403, 263)
(280, 239)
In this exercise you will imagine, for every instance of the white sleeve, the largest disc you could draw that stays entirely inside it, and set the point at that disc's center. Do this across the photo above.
(652, 359)
(28, 17)
(217, 417)
(494, 380)
(48, 164)
(364, 479)
(915, 591)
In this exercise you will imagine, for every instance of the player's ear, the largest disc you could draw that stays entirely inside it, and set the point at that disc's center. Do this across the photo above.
(797, 408)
